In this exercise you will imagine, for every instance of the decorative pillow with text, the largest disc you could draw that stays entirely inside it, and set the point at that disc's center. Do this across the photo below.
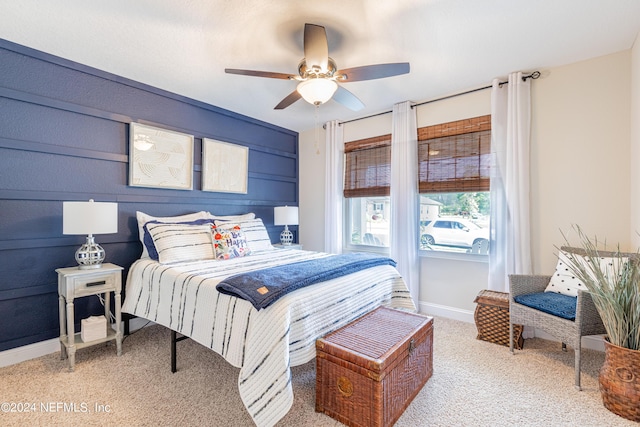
(229, 241)
(255, 232)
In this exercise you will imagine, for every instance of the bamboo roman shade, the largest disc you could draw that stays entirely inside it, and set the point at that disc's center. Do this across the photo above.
(367, 169)
(455, 156)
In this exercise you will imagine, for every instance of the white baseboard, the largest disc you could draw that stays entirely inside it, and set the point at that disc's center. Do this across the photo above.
(595, 342)
(31, 351)
(446, 311)
(27, 352)
(42, 348)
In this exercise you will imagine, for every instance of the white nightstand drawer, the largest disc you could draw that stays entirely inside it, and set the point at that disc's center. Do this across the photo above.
(99, 283)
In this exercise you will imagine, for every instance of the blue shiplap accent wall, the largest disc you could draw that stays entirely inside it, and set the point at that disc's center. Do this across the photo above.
(64, 131)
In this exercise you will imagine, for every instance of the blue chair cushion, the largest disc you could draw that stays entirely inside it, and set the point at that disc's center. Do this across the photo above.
(550, 302)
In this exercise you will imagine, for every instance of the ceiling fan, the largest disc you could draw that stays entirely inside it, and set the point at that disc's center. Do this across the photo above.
(318, 75)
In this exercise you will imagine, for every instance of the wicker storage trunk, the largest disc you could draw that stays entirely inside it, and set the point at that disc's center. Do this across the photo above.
(369, 371)
(492, 319)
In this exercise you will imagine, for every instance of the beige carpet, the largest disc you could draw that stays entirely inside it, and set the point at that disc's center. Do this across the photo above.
(475, 383)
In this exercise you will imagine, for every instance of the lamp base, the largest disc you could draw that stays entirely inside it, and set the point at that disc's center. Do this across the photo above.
(90, 255)
(286, 237)
(89, 266)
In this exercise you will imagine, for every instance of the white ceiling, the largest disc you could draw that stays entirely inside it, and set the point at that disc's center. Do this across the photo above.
(183, 46)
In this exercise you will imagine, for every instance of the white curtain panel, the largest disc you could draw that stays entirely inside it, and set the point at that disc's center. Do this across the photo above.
(510, 181)
(404, 196)
(334, 177)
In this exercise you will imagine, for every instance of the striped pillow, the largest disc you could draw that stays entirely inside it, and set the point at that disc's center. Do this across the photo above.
(143, 218)
(181, 242)
(255, 232)
(148, 240)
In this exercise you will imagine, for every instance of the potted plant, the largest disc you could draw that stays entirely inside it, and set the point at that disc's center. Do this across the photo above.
(614, 284)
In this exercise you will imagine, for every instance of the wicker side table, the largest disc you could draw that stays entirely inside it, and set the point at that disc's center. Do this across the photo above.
(492, 319)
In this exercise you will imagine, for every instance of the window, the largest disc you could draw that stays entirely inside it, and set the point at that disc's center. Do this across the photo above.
(366, 190)
(454, 165)
(366, 224)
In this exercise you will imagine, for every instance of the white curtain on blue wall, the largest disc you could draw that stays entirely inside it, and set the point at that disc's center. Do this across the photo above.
(510, 181)
(334, 177)
(404, 196)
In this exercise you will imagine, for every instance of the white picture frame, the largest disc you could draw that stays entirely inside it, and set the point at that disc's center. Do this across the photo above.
(160, 158)
(225, 167)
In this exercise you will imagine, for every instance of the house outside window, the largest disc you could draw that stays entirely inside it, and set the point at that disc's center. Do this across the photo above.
(366, 190)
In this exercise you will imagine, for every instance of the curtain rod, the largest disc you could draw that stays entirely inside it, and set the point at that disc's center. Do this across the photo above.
(535, 75)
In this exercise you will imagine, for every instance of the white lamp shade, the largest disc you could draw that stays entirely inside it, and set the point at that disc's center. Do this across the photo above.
(317, 91)
(285, 215)
(89, 217)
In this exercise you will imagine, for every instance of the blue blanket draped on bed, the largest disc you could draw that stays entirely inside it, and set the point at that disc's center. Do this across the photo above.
(263, 287)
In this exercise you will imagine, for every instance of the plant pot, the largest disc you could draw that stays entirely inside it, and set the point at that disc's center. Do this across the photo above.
(620, 381)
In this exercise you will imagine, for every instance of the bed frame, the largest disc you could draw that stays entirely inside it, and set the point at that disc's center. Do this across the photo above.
(174, 340)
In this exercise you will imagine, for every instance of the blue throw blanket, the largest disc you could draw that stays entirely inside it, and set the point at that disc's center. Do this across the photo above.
(263, 287)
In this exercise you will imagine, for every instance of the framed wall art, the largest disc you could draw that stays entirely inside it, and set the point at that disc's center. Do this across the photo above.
(160, 158)
(225, 167)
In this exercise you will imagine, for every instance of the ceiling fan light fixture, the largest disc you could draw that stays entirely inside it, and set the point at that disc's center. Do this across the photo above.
(317, 91)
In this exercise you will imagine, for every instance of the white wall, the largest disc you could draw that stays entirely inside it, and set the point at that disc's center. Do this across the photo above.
(580, 154)
(634, 116)
(581, 173)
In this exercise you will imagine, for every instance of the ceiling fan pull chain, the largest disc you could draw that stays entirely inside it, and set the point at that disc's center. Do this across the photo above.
(317, 129)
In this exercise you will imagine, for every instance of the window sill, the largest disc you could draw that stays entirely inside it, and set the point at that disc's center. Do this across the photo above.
(382, 250)
(454, 256)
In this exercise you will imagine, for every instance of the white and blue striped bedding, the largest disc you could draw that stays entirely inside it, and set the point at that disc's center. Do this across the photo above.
(265, 343)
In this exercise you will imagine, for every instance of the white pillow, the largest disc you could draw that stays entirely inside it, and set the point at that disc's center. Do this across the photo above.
(182, 242)
(565, 282)
(243, 217)
(257, 237)
(143, 218)
(611, 266)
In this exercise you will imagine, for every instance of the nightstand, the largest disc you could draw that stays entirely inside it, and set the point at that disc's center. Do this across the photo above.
(76, 283)
(291, 246)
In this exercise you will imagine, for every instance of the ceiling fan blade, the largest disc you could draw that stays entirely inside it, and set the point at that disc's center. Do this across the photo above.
(288, 100)
(348, 99)
(254, 73)
(370, 72)
(316, 48)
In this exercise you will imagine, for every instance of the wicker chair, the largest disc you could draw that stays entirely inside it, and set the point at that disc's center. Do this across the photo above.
(587, 321)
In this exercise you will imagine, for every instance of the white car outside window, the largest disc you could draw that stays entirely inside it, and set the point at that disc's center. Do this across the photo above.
(453, 232)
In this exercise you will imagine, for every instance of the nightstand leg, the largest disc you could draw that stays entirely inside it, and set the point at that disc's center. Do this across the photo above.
(71, 347)
(107, 306)
(63, 329)
(118, 321)
(107, 311)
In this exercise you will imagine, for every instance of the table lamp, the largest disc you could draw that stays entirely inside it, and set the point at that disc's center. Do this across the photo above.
(89, 218)
(285, 215)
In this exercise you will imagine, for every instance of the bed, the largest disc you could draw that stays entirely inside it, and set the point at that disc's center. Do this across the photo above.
(263, 343)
